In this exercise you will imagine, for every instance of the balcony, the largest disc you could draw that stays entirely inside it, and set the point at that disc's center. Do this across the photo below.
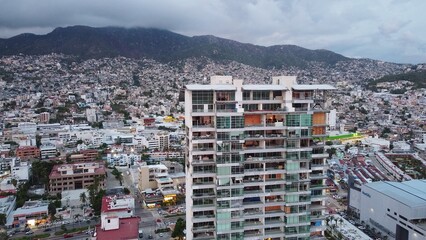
(274, 222)
(252, 203)
(203, 161)
(315, 217)
(205, 228)
(251, 225)
(318, 186)
(318, 197)
(202, 207)
(205, 236)
(273, 233)
(204, 218)
(252, 213)
(210, 125)
(255, 193)
(203, 137)
(275, 202)
(318, 176)
(253, 136)
(203, 195)
(317, 207)
(275, 213)
(319, 155)
(252, 234)
(275, 190)
(318, 166)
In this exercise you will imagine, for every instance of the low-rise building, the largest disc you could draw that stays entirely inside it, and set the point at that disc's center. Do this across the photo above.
(7, 204)
(117, 219)
(123, 159)
(157, 177)
(75, 176)
(114, 207)
(47, 151)
(20, 170)
(31, 213)
(88, 155)
(28, 152)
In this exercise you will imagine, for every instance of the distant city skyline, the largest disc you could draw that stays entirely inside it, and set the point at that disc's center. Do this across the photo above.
(385, 30)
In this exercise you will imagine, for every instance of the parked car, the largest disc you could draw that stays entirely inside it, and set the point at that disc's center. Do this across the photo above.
(150, 236)
(47, 230)
(29, 232)
(67, 235)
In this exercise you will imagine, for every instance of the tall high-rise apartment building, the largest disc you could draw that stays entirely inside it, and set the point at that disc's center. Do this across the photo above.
(255, 166)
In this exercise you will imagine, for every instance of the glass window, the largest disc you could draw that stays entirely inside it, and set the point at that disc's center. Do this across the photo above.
(305, 120)
(260, 95)
(225, 96)
(292, 166)
(292, 155)
(305, 155)
(293, 120)
(202, 97)
(237, 122)
(246, 95)
(223, 122)
(223, 171)
(271, 106)
(223, 136)
(223, 226)
(292, 143)
(251, 107)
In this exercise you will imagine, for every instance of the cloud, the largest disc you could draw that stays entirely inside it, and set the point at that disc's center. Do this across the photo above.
(373, 29)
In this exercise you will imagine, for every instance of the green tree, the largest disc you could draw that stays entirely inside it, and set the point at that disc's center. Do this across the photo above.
(14, 182)
(22, 194)
(38, 141)
(331, 151)
(3, 235)
(2, 219)
(51, 209)
(95, 194)
(83, 198)
(179, 228)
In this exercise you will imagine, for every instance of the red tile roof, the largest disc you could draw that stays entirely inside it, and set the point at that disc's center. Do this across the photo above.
(129, 229)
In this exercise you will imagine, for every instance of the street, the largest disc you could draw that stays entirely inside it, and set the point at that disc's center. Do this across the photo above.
(148, 216)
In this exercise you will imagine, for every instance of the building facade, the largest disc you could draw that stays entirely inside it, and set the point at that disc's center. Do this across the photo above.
(76, 176)
(255, 159)
(397, 209)
(28, 152)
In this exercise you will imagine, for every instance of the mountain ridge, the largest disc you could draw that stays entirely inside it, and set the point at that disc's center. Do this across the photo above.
(161, 45)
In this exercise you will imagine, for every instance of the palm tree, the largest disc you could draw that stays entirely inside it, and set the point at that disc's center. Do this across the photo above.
(83, 198)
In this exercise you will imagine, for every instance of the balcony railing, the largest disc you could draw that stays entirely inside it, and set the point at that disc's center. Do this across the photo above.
(318, 176)
(203, 126)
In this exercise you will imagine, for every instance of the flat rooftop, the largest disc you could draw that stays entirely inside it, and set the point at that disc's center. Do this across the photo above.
(115, 203)
(209, 87)
(313, 87)
(411, 193)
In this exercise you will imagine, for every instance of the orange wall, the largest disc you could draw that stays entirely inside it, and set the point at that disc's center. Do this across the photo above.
(252, 119)
(318, 118)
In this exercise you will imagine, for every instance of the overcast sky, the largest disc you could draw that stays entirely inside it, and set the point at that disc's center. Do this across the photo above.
(389, 30)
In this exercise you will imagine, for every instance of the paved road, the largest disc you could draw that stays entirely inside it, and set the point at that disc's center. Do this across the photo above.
(148, 216)
(57, 227)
